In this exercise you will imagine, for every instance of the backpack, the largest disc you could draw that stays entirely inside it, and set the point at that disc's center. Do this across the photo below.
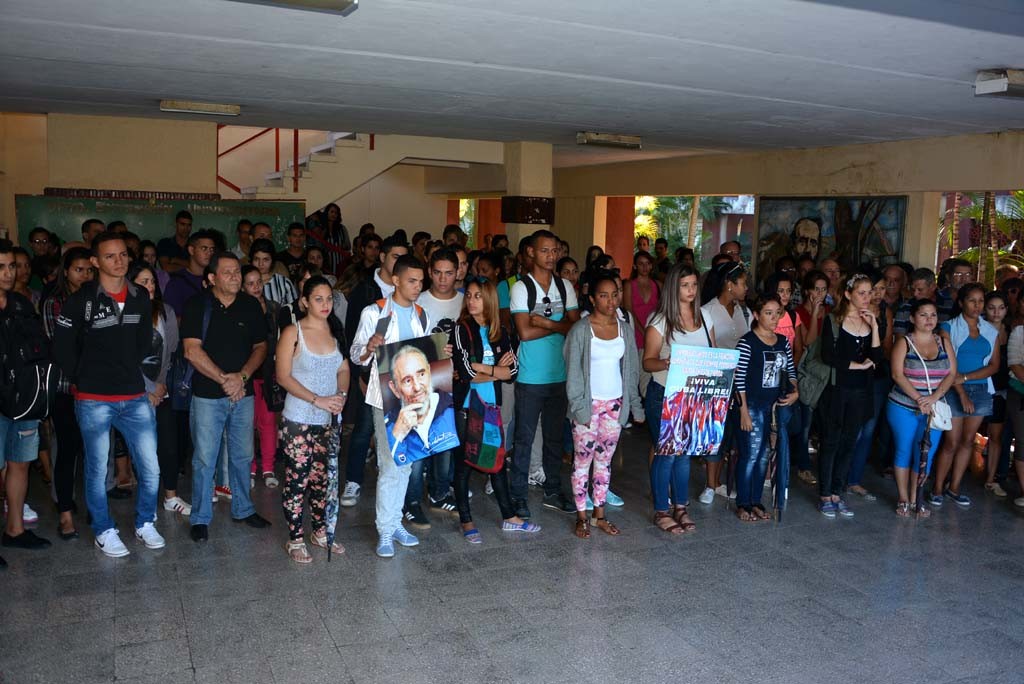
(531, 291)
(31, 379)
(814, 374)
(384, 321)
(181, 371)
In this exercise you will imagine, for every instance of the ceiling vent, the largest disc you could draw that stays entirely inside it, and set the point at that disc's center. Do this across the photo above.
(999, 83)
(629, 142)
(342, 7)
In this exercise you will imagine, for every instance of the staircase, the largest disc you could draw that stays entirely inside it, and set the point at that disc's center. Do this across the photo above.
(345, 161)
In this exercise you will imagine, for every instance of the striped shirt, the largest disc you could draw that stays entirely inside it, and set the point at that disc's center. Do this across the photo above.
(914, 370)
(764, 372)
(279, 290)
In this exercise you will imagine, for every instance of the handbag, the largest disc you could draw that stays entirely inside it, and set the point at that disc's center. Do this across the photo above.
(179, 375)
(484, 446)
(942, 415)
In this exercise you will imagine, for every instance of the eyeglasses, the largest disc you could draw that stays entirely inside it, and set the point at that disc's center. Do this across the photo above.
(547, 307)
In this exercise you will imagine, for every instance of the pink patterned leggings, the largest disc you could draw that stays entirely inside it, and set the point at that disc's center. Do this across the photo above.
(595, 444)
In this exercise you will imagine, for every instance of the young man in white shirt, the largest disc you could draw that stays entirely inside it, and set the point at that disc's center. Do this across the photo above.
(544, 308)
(367, 291)
(443, 305)
(401, 319)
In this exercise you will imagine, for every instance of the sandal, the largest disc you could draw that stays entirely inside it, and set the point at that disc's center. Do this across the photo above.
(605, 526)
(745, 514)
(903, 509)
(923, 512)
(298, 552)
(683, 519)
(665, 523)
(472, 535)
(860, 491)
(760, 513)
(319, 539)
(583, 528)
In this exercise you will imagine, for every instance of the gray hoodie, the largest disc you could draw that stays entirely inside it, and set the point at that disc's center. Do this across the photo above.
(577, 365)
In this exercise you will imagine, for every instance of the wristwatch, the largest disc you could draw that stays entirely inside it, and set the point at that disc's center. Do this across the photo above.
(245, 378)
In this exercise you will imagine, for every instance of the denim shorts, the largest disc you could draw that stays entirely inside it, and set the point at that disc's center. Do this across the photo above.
(19, 440)
(979, 396)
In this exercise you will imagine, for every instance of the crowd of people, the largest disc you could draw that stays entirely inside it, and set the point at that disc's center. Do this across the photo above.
(234, 365)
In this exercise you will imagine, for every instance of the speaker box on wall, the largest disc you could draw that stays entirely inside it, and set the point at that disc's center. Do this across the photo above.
(530, 210)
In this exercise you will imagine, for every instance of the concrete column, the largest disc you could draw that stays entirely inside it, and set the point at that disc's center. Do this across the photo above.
(528, 174)
(580, 221)
(920, 237)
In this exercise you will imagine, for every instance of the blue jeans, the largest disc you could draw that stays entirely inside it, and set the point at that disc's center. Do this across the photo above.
(862, 449)
(753, 461)
(439, 478)
(136, 421)
(666, 471)
(212, 421)
(546, 405)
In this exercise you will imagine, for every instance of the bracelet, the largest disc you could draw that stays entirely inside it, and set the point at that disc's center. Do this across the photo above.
(245, 378)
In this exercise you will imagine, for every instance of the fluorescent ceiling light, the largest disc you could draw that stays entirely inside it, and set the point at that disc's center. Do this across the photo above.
(629, 142)
(342, 7)
(186, 107)
(999, 82)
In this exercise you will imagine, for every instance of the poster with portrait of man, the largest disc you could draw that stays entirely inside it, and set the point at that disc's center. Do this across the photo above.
(852, 230)
(416, 389)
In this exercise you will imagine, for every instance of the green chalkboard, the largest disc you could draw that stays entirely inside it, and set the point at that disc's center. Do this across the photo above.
(150, 219)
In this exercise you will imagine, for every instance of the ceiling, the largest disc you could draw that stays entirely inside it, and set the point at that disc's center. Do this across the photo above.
(690, 77)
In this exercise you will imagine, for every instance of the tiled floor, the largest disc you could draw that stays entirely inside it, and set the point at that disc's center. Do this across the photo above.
(873, 599)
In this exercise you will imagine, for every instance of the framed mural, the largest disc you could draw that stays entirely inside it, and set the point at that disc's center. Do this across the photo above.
(853, 230)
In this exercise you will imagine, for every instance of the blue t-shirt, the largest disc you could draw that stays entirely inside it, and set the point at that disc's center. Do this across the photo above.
(970, 356)
(485, 390)
(503, 300)
(541, 361)
(403, 314)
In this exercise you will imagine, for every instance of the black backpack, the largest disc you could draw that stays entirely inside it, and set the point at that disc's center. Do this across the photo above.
(531, 292)
(30, 379)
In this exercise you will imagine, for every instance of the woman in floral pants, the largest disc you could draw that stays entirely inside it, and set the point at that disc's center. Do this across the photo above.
(602, 367)
(312, 368)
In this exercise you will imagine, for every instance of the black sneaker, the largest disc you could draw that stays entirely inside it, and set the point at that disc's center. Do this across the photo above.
(415, 517)
(3, 563)
(199, 533)
(521, 509)
(559, 502)
(254, 520)
(25, 540)
(119, 493)
(446, 505)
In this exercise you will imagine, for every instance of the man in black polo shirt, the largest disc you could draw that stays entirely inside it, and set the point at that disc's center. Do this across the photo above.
(225, 355)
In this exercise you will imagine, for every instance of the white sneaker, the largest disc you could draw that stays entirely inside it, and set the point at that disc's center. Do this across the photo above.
(28, 516)
(110, 543)
(269, 481)
(723, 491)
(707, 496)
(148, 535)
(350, 497)
(1019, 502)
(178, 505)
